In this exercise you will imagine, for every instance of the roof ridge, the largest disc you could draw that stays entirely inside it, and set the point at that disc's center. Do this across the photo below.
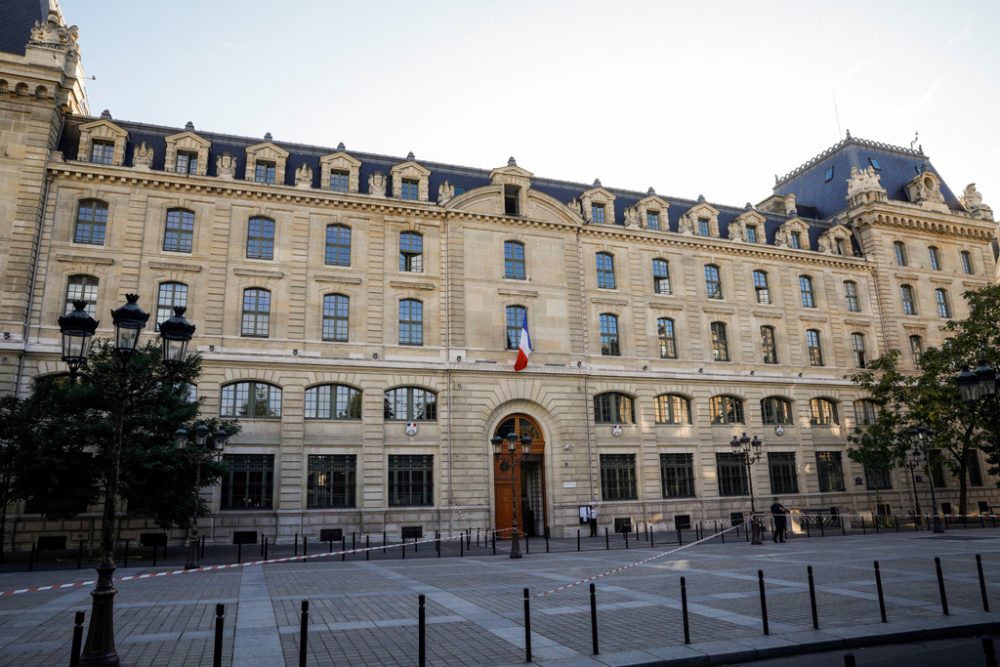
(844, 142)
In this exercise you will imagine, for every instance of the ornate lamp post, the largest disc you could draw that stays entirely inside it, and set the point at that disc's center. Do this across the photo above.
(77, 329)
(200, 451)
(921, 434)
(513, 460)
(750, 451)
(913, 461)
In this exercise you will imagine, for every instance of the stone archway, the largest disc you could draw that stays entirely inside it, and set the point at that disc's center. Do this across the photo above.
(529, 487)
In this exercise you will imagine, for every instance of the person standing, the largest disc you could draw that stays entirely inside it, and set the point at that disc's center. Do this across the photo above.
(780, 514)
(592, 519)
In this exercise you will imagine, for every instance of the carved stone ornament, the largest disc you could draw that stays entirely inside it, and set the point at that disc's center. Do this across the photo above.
(142, 157)
(737, 230)
(446, 192)
(616, 430)
(225, 166)
(53, 33)
(303, 176)
(632, 218)
(576, 207)
(864, 185)
(973, 202)
(376, 184)
(779, 430)
(411, 428)
(826, 242)
(790, 203)
(686, 225)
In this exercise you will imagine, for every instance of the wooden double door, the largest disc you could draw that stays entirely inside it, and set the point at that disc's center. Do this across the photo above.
(527, 486)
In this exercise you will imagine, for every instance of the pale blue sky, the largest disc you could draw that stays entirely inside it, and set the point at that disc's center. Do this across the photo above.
(708, 98)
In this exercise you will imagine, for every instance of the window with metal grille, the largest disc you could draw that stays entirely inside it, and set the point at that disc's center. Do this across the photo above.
(851, 296)
(331, 480)
(829, 471)
(91, 222)
(250, 400)
(618, 477)
(336, 317)
(102, 152)
(713, 283)
(613, 408)
(806, 289)
(513, 260)
(338, 245)
(814, 347)
(781, 470)
(410, 404)
(264, 172)
(260, 238)
(411, 252)
(732, 474)
(411, 322)
(776, 410)
(168, 296)
(411, 480)
(609, 335)
(877, 478)
(720, 344)
(858, 349)
(82, 288)
(671, 409)
(332, 401)
(760, 288)
(677, 475)
(724, 409)
(256, 313)
(666, 339)
(178, 233)
(823, 412)
(605, 270)
(768, 345)
(247, 483)
(515, 316)
(661, 276)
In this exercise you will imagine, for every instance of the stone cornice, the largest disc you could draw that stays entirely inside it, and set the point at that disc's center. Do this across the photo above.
(84, 259)
(912, 217)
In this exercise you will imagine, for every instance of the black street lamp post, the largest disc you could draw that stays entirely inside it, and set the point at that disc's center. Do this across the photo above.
(77, 329)
(922, 434)
(750, 452)
(202, 450)
(513, 460)
(912, 462)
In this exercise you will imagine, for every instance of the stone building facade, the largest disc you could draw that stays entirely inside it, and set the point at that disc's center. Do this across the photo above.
(360, 313)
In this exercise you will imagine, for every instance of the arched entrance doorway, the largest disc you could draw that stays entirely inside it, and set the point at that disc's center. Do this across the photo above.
(529, 487)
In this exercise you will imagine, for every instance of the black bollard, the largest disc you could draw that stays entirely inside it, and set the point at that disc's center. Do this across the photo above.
(421, 631)
(746, 532)
(947, 524)
(368, 547)
(477, 536)
(864, 531)
(74, 653)
(330, 545)
(343, 548)
(267, 543)
(404, 549)
(416, 545)
(881, 595)
(989, 651)
(296, 553)
(822, 532)
(437, 543)
(304, 625)
(201, 549)
(607, 541)
(468, 539)
(354, 544)
(79, 555)
(220, 620)
(808, 530)
(125, 564)
(897, 523)
(527, 544)
(461, 546)
(546, 540)
(577, 539)
(383, 541)
(982, 583)
(305, 548)
(812, 598)
(493, 538)
(982, 521)
(763, 600)
(940, 578)
(722, 535)
(593, 618)
(843, 527)
(626, 538)
(680, 537)
(239, 553)
(875, 523)
(684, 611)
(527, 626)
(849, 660)
(652, 537)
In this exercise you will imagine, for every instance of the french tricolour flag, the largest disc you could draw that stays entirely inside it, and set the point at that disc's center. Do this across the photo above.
(524, 348)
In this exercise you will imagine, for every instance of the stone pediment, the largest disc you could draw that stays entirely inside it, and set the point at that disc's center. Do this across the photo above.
(411, 168)
(688, 223)
(749, 218)
(103, 129)
(188, 139)
(268, 151)
(512, 174)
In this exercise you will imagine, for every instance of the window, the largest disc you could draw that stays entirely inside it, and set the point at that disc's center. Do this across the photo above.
(841, 247)
(661, 276)
(331, 481)
(665, 337)
(186, 162)
(720, 345)
(916, 348)
(605, 270)
(967, 262)
(251, 400)
(410, 404)
(760, 288)
(874, 163)
(338, 245)
(618, 477)
(851, 296)
(671, 409)
(781, 470)
(935, 462)
(247, 482)
(264, 172)
(411, 252)
(878, 478)
(909, 305)
(102, 152)
(776, 410)
(256, 313)
(858, 348)
(613, 408)
(768, 344)
(653, 220)
(511, 199)
(814, 347)
(91, 222)
(806, 289)
(704, 228)
(411, 322)
(178, 235)
(941, 298)
(751, 233)
(411, 480)
(167, 297)
(82, 288)
(974, 469)
(260, 239)
(340, 180)
(336, 317)
(515, 316)
(865, 412)
(725, 410)
(332, 401)
(513, 260)
(597, 214)
(900, 249)
(795, 240)
(823, 412)
(677, 475)
(932, 254)
(609, 335)
(409, 189)
(713, 284)
(829, 175)
(732, 475)
(829, 471)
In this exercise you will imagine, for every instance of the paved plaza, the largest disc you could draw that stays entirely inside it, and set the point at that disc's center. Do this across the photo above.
(365, 612)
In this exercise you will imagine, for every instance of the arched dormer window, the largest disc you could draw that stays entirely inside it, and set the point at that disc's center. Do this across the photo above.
(91, 222)
(672, 409)
(251, 399)
(410, 404)
(613, 408)
(725, 409)
(333, 401)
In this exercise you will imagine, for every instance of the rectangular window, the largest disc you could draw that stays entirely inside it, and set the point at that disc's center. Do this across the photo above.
(781, 468)
(653, 220)
(878, 479)
(409, 189)
(841, 247)
(851, 296)
(178, 236)
(256, 313)
(677, 475)
(102, 152)
(900, 251)
(186, 163)
(340, 181)
(515, 316)
(704, 227)
(713, 282)
(720, 344)
(411, 252)
(609, 335)
(906, 295)
(260, 239)
(935, 259)
(768, 345)
(618, 477)
(806, 290)
(795, 240)
(336, 317)
(512, 200)
(411, 481)
(247, 482)
(829, 471)
(751, 233)
(665, 337)
(760, 288)
(331, 481)
(661, 276)
(264, 172)
(169, 296)
(814, 348)
(935, 462)
(967, 263)
(858, 348)
(597, 214)
(732, 475)
(513, 260)
(975, 471)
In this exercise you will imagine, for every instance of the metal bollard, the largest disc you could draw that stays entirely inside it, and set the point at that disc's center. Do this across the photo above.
(607, 541)
(843, 527)
(477, 536)
(416, 545)
(421, 631)
(296, 553)
(897, 523)
(267, 543)
(330, 545)
(304, 638)
(468, 539)
(125, 564)
(74, 653)
(763, 600)
(849, 660)
(982, 583)
(593, 618)
(201, 551)
(546, 540)
(343, 548)
(864, 531)
(881, 595)
(368, 547)
(383, 541)
(239, 553)
(822, 532)
(494, 539)
(812, 598)
(220, 621)
(354, 544)
(305, 548)
(940, 578)
(680, 537)
(527, 626)
(875, 523)
(989, 651)
(461, 547)
(404, 549)
(626, 538)
(684, 611)
(527, 544)
(437, 542)
(577, 539)
(982, 521)
(808, 531)
(79, 555)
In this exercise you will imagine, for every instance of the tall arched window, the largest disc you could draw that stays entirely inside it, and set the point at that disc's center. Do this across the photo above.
(91, 222)
(899, 248)
(806, 289)
(613, 408)
(776, 410)
(410, 404)
(814, 347)
(725, 409)
(82, 288)
(941, 298)
(605, 270)
(260, 238)
(332, 401)
(168, 296)
(909, 304)
(665, 337)
(256, 312)
(336, 317)
(250, 400)
(513, 260)
(858, 349)
(720, 342)
(411, 322)
(515, 318)
(672, 409)
(609, 335)
(338, 245)
(178, 233)
(661, 276)
(934, 257)
(967, 263)
(713, 283)
(760, 288)
(823, 412)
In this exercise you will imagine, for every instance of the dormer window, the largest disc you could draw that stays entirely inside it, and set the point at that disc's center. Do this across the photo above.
(409, 189)
(186, 162)
(795, 240)
(874, 163)
(828, 176)
(751, 233)
(511, 199)
(340, 180)
(102, 152)
(840, 246)
(597, 214)
(653, 220)
(704, 227)
(264, 172)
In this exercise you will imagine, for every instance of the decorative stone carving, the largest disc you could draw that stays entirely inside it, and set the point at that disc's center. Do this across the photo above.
(925, 191)
(864, 186)
(973, 202)
(304, 176)
(376, 184)
(225, 166)
(53, 33)
(783, 235)
(446, 192)
(790, 203)
(836, 241)
(689, 222)
(632, 218)
(142, 156)
(576, 207)
(737, 230)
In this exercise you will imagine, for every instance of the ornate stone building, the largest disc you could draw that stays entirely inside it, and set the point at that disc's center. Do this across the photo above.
(360, 313)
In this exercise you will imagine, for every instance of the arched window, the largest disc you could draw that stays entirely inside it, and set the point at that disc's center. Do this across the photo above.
(760, 288)
(178, 233)
(251, 400)
(332, 401)
(909, 304)
(865, 412)
(661, 276)
(713, 283)
(665, 337)
(411, 322)
(609, 335)
(967, 263)
(260, 238)
(613, 408)
(900, 249)
(814, 347)
(91, 222)
(851, 296)
(513, 260)
(336, 317)
(82, 288)
(768, 345)
(858, 349)
(605, 270)
(934, 257)
(338, 245)
(256, 312)
(720, 343)
(168, 296)
(776, 410)
(515, 317)
(410, 404)
(806, 289)
(823, 412)
(941, 298)
(672, 409)
(725, 409)
(411, 252)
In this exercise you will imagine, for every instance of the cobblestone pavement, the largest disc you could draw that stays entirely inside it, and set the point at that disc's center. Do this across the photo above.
(365, 612)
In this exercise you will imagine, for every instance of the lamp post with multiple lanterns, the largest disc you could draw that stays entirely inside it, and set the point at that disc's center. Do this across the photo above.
(750, 452)
(199, 445)
(513, 460)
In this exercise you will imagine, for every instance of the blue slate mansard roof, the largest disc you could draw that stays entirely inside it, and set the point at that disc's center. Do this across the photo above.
(820, 185)
(17, 18)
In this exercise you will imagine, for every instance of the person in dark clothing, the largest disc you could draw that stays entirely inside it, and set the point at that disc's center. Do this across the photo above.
(592, 520)
(779, 512)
